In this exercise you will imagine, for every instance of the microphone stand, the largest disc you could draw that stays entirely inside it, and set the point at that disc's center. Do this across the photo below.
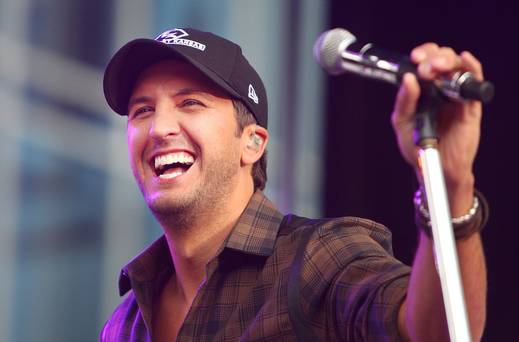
(447, 265)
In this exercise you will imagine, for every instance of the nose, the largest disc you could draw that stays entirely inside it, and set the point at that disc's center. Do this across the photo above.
(165, 122)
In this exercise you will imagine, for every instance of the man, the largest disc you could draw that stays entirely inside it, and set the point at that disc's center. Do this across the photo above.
(230, 266)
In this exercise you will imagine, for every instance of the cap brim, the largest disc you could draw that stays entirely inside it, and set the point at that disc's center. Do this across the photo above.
(126, 65)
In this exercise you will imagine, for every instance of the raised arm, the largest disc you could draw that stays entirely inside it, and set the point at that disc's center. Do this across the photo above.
(422, 315)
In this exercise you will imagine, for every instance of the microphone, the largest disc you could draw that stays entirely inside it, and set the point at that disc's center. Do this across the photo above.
(335, 50)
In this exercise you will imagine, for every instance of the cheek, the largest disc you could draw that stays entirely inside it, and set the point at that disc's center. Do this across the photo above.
(135, 140)
(215, 138)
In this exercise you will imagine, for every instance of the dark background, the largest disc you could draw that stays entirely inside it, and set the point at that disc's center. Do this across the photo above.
(362, 154)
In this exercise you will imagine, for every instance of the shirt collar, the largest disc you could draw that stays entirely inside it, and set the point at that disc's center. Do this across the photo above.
(146, 265)
(257, 228)
(254, 233)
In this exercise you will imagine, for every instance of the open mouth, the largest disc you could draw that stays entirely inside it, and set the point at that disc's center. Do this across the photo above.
(172, 165)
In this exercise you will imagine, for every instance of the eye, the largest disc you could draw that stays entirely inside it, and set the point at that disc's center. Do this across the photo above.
(140, 111)
(191, 103)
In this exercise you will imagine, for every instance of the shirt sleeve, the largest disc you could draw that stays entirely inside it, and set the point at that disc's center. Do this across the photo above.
(351, 267)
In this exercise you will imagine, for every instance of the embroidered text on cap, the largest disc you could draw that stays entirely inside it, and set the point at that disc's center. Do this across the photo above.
(176, 36)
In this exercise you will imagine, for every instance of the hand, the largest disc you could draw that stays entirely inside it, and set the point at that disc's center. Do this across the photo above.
(458, 123)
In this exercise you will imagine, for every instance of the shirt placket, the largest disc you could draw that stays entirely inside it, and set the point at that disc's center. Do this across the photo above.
(192, 317)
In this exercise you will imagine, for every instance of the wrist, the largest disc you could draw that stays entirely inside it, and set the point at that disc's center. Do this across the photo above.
(472, 221)
(460, 191)
(460, 194)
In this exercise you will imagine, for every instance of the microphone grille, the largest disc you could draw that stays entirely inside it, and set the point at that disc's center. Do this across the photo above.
(328, 48)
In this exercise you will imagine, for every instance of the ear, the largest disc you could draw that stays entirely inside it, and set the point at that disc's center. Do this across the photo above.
(254, 141)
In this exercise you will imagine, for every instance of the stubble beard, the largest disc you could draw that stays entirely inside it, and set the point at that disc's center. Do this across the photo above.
(205, 198)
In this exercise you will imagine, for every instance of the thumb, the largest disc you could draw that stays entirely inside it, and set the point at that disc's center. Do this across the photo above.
(406, 100)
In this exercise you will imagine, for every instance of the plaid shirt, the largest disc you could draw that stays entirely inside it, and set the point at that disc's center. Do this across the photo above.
(350, 287)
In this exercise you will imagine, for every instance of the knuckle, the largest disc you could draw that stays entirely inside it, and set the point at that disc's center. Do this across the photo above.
(430, 46)
(447, 50)
(427, 48)
(449, 53)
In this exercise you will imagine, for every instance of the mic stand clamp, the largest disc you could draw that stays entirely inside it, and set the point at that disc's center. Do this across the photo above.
(426, 138)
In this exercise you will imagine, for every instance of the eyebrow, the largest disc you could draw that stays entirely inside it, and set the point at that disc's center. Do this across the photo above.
(188, 91)
(180, 92)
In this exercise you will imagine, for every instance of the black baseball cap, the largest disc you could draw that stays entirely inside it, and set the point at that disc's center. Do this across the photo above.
(218, 58)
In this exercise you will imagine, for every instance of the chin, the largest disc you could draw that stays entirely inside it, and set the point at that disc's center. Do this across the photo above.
(171, 206)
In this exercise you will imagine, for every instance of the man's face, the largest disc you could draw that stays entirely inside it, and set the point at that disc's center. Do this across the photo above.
(182, 141)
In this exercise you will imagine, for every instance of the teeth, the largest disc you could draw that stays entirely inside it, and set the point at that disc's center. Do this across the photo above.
(170, 175)
(170, 158)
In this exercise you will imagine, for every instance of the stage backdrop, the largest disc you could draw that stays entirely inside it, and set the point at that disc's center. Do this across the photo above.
(366, 176)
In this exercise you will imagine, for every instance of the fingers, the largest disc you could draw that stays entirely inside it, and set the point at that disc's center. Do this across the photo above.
(470, 63)
(420, 53)
(434, 61)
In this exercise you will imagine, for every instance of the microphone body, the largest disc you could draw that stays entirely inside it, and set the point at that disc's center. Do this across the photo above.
(337, 52)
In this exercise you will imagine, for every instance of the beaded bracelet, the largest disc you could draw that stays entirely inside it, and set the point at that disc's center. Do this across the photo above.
(464, 226)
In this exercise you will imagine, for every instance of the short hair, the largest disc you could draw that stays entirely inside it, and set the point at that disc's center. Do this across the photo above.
(244, 117)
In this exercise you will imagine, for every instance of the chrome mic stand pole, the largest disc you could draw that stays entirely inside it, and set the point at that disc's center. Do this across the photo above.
(444, 244)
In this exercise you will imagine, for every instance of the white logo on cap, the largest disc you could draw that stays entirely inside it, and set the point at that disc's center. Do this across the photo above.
(252, 94)
(168, 36)
(176, 37)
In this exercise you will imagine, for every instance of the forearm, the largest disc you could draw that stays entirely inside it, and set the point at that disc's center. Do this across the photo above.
(422, 316)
